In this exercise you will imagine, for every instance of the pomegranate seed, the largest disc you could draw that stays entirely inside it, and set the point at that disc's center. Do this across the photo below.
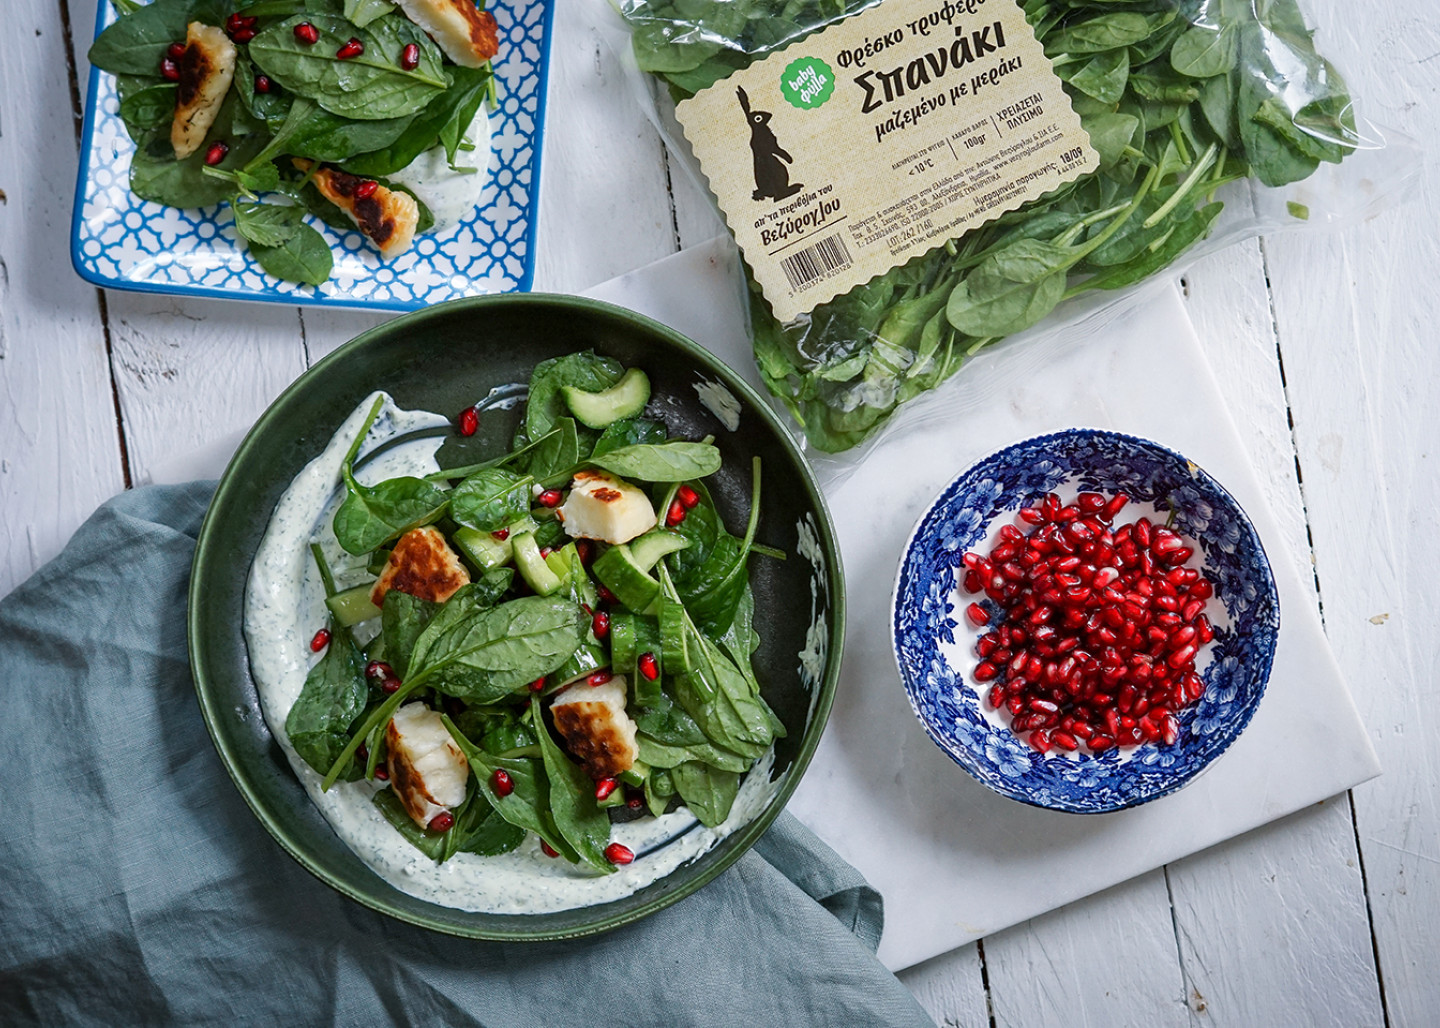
(377, 669)
(618, 854)
(972, 582)
(596, 678)
(217, 152)
(1040, 741)
(648, 667)
(176, 50)
(606, 594)
(1032, 515)
(320, 640)
(1064, 740)
(538, 684)
(600, 625)
(307, 33)
(390, 684)
(549, 498)
(675, 514)
(169, 70)
(382, 773)
(605, 787)
(985, 671)
(689, 497)
(997, 697)
(262, 83)
(243, 35)
(410, 56)
(546, 849)
(442, 822)
(351, 49)
(635, 802)
(977, 615)
(501, 783)
(364, 191)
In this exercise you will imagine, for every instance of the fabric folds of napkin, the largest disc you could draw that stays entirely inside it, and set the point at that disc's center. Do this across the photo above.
(136, 886)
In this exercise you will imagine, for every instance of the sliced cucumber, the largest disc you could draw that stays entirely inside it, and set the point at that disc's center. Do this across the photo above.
(650, 548)
(625, 399)
(532, 566)
(352, 606)
(617, 570)
(674, 639)
(481, 548)
(635, 774)
(647, 640)
(615, 799)
(622, 640)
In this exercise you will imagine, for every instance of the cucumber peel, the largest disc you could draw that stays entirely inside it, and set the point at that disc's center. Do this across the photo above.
(625, 399)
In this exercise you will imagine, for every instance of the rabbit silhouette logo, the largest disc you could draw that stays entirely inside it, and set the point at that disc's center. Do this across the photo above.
(772, 177)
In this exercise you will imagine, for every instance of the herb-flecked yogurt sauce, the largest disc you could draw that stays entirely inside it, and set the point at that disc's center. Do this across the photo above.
(285, 603)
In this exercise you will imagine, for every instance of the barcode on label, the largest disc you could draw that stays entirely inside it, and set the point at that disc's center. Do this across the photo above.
(815, 262)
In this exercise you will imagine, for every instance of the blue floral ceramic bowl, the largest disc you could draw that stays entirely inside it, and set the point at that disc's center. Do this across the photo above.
(934, 641)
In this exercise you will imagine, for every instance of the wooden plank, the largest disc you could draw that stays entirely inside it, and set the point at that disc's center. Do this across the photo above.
(1356, 313)
(951, 988)
(59, 443)
(1108, 959)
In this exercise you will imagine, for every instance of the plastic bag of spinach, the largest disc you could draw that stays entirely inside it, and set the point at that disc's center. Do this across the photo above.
(1181, 99)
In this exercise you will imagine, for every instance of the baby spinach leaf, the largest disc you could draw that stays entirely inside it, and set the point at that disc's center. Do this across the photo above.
(425, 129)
(134, 44)
(700, 528)
(492, 652)
(371, 86)
(363, 12)
(661, 462)
(1106, 32)
(1103, 76)
(586, 370)
(432, 844)
(527, 806)
(664, 755)
(629, 432)
(491, 499)
(492, 835)
(1203, 51)
(333, 696)
(709, 792)
(552, 462)
(147, 107)
(666, 722)
(305, 257)
(372, 515)
(1010, 290)
(467, 601)
(402, 618)
(572, 800)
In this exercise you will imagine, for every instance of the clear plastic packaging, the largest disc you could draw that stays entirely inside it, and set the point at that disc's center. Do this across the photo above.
(1214, 120)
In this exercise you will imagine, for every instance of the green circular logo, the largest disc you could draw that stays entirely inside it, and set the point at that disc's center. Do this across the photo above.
(807, 83)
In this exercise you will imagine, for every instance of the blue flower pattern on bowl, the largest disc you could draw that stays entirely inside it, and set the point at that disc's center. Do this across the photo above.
(121, 241)
(925, 622)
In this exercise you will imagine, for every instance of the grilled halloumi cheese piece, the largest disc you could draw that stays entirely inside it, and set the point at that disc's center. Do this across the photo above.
(427, 770)
(601, 506)
(468, 36)
(595, 727)
(206, 70)
(387, 217)
(423, 565)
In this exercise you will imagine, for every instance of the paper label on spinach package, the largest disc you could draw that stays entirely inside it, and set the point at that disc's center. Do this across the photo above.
(880, 138)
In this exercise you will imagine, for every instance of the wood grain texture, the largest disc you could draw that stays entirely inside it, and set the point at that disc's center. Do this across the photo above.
(951, 988)
(1356, 314)
(1109, 959)
(59, 445)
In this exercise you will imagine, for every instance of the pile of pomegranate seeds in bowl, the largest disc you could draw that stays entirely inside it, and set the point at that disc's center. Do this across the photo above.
(1097, 627)
(1084, 621)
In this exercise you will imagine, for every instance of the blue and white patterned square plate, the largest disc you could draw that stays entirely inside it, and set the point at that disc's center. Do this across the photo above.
(934, 642)
(122, 242)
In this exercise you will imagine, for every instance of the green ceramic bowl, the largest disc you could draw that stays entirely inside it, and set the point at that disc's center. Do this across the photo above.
(444, 359)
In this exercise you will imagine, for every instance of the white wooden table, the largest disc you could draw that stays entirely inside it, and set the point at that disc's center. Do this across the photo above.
(1327, 342)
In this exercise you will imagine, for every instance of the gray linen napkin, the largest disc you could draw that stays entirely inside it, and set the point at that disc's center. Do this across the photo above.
(136, 887)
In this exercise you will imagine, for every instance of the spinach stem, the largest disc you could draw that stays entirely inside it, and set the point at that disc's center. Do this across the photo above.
(1196, 173)
(324, 566)
(379, 716)
(354, 450)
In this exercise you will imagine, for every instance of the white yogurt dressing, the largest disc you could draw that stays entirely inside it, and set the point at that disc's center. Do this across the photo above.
(285, 603)
(450, 194)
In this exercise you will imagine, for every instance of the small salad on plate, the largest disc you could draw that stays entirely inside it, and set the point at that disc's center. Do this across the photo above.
(370, 115)
(535, 670)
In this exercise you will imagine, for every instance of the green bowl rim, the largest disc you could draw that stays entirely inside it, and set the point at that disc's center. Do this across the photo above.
(743, 839)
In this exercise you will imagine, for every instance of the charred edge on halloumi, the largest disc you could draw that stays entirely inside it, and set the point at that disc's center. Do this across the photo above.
(597, 731)
(423, 565)
(427, 770)
(387, 217)
(206, 70)
(468, 36)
